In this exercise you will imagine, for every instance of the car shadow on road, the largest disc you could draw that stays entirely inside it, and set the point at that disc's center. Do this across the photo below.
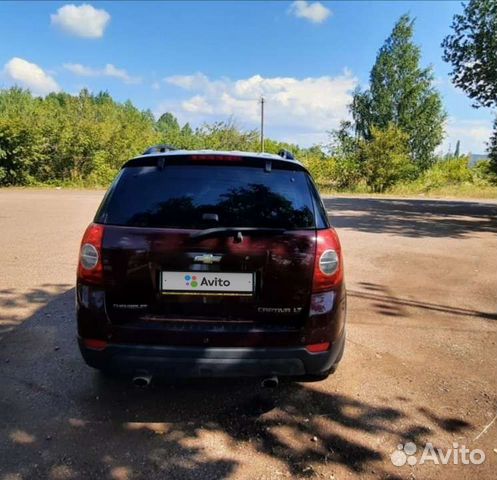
(14, 302)
(412, 218)
(61, 419)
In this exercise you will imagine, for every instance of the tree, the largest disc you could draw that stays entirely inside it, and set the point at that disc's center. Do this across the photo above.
(385, 158)
(471, 51)
(226, 135)
(401, 93)
(457, 151)
(81, 138)
(21, 152)
(492, 150)
(344, 147)
(186, 130)
(167, 123)
(343, 143)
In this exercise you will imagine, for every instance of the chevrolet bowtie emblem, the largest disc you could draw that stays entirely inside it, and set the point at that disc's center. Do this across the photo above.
(208, 258)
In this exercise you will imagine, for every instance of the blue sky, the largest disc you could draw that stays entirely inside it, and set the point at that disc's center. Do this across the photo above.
(206, 61)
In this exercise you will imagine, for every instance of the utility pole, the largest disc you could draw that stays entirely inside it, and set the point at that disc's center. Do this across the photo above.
(262, 123)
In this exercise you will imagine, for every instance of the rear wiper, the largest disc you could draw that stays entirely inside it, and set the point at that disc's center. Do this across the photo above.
(237, 233)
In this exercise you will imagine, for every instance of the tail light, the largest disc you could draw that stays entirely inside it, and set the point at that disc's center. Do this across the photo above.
(328, 266)
(90, 267)
(216, 158)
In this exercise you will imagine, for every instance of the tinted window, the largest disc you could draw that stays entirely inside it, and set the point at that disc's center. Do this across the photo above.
(182, 196)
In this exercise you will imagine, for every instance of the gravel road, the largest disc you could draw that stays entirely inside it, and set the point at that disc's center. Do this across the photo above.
(420, 363)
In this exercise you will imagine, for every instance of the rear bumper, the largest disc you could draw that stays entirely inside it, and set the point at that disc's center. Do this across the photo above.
(213, 362)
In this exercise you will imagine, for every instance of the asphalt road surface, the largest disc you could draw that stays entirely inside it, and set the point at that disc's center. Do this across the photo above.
(420, 363)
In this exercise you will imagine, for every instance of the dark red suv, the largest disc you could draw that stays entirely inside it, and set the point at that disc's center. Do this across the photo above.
(212, 263)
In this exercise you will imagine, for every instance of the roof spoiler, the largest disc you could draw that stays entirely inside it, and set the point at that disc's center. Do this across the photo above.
(159, 149)
(286, 154)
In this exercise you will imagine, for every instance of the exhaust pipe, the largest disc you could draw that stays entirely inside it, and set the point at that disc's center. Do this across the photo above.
(270, 382)
(142, 381)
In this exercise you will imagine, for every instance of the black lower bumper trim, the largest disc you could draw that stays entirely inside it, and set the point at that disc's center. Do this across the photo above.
(213, 362)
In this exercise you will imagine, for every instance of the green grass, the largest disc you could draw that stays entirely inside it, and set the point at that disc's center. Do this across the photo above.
(463, 190)
(468, 190)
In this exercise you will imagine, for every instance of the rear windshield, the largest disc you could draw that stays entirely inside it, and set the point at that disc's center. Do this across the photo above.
(204, 196)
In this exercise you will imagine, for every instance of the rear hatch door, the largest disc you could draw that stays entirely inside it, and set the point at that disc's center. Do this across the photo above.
(218, 241)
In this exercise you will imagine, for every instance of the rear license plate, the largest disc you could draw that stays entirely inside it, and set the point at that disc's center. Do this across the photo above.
(207, 283)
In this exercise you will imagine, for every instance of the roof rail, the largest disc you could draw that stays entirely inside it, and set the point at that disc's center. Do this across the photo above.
(159, 149)
(286, 154)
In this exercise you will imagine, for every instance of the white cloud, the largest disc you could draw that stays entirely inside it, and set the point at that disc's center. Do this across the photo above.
(80, 70)
(197, 104)
(81, 21)
(108, 71)
(473, 135)
(112, 71)
(300, 109)
(315, 12)
(198, 81)
(29, 75)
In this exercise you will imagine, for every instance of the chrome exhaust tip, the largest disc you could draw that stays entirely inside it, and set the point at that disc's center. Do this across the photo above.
(270, 382)
(142, 381)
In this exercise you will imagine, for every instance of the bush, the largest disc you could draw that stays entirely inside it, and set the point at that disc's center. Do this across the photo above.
(348, 173)
(484, 173)
(448, 171)
(322, 170)
(384, 160)
(452, 177)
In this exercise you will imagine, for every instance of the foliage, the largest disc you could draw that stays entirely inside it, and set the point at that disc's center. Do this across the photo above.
(492, 150)
(65, 138)
(323, 170)
(483, 173)
(343, 142)
(227, 136)
(471, 51)
(450, 171)
(169, 129)
(384, 159)
(21, 149)
(401, 93)
(84, 139)
(344, 148)
(451, 176)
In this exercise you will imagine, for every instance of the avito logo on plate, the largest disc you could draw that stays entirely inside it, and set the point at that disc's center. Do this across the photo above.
(191, 280)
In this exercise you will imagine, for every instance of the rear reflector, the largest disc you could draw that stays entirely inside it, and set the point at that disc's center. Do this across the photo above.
(318, 347)
(95, 344)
